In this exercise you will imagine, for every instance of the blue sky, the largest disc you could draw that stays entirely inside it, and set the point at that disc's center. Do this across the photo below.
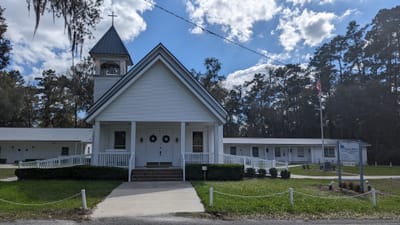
(287, 31)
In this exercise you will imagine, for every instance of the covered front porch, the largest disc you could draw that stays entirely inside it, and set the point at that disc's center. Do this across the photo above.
(132, 144)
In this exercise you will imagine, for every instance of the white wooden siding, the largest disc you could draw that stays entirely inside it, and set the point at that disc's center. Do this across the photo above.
(157, 96)
(19, 151)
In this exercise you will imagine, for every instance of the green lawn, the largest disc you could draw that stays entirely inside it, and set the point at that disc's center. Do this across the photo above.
(5, 173)
(308, 207)
(347, 170)
(50, 190)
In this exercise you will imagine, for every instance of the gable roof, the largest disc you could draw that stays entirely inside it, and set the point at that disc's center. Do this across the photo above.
(110, 44)
(46, 134)
(160, 52)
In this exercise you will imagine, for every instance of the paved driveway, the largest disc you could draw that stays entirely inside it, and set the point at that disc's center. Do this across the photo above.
(149, 199)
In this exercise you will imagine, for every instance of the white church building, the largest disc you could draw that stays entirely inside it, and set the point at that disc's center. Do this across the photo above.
(158, 115)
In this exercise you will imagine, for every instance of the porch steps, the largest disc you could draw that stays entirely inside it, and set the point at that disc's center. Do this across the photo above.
(157, 174)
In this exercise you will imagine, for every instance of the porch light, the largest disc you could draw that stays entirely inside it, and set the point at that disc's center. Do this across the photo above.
(141, 140)
(176, 140)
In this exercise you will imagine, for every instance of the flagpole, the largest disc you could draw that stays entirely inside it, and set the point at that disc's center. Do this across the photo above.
(322, 128)
(319, 89)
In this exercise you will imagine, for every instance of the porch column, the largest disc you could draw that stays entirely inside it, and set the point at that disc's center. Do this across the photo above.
(183, 146)
(210, 144)
(133, 141)
(96, 143)
(218, 144)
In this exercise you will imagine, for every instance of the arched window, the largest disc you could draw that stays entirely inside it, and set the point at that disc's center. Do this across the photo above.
(110, 68)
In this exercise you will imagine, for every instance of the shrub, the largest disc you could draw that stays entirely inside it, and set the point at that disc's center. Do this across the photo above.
(214, 172)
(261, 173)
(285, 174)
(3, 161)
(273, 172)
(250, 172)
(357, 188)
(76, 172)
(351, 186)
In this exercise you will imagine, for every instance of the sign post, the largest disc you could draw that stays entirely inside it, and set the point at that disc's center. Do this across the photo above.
(339, 164)
(361, 167)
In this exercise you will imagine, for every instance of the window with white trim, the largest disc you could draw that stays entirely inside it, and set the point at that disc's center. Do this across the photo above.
(254, 151)
(233, 150)
(277, 152)
(300, 152)
(64, 151)
(197, 144)
(119, 140)
(329, 151)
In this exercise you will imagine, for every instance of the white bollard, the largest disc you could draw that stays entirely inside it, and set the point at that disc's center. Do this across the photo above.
(390, 164)
(287, 165)
(211, 196)
(83, 193)
(291, 196)
(373, 193)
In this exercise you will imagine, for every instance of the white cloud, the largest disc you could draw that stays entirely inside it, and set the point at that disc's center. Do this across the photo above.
(239, 77)
(236, 17)
(307, 25)
(303, 2)
(273, 58)
(50, 48)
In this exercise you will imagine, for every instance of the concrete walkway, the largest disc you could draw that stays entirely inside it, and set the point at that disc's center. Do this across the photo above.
(149, 199)
(343, 177)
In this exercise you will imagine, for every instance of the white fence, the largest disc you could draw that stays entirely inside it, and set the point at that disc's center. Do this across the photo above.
(63, 161)
(248, 162)
(197, 157)
(114, 159)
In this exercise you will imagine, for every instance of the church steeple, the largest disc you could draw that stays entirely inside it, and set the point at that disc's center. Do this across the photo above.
(111, 50)
(111, 60)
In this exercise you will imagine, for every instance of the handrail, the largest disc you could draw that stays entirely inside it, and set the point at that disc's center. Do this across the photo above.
(183, 166)
(61, 161)
(131, 165)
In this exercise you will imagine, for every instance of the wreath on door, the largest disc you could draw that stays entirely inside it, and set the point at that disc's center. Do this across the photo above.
(165, 138)
(153, 138)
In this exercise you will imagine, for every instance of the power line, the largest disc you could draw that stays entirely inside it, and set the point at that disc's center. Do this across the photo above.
(213, 33)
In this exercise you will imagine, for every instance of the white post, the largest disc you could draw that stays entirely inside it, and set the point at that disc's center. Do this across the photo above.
(373, 193)
(211, 196)
(291, 196)
(210, 144)
(20, 164)
(287, 165)
(37, 163)
(183, 146)
(131, 163)
(83, 193)
(96, 143)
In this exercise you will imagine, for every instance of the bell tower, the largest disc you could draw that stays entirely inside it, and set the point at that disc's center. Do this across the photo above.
(111, 60)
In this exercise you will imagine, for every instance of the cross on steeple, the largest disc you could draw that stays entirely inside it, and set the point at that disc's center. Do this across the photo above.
(112, 16)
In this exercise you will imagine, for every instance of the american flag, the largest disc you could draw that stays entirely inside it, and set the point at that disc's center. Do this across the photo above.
(319, 88)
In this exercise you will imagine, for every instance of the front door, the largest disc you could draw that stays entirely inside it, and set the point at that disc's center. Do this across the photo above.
(159, 148)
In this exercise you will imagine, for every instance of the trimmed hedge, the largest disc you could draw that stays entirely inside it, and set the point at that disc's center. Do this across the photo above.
(214, 172)
(250, 172)
(285, 174)
(76, 173)
(273, 172)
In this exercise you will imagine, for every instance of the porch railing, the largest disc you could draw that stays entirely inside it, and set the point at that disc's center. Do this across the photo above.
(114, 159)
(248, 162)
(62, 161)
(197, 157)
